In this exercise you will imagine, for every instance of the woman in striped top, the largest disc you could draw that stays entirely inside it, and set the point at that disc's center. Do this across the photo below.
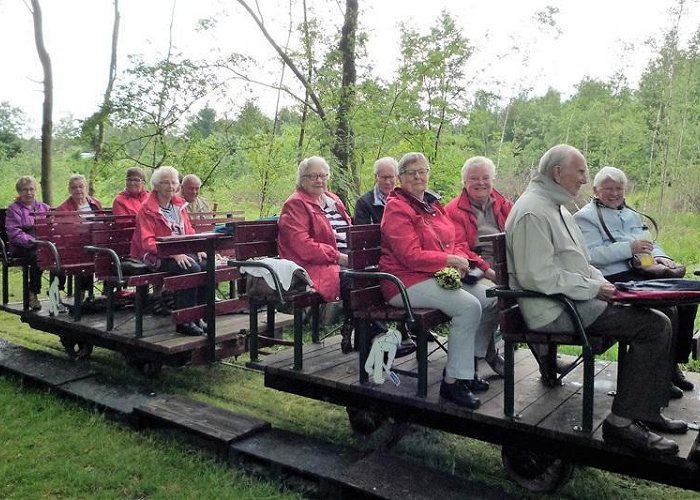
(311, 228)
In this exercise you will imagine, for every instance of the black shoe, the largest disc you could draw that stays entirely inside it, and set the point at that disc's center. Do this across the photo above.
(459, 394)
(668, 425)
(405, 348)
(680, 381)
(476, 384)
(637, 437)
(189, 329)
(675, 392)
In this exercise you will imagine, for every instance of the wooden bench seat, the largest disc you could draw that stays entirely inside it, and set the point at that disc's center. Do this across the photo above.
(255, 240)
(365, 302)
(514, 331)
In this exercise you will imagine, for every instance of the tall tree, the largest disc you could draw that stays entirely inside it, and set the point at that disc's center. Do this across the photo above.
(47, 108)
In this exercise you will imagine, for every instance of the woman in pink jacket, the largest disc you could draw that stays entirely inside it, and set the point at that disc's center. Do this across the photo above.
(311, 228)
(164, 213)
(418, 239)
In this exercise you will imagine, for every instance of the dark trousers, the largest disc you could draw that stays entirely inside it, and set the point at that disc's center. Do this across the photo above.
(645, 378)
(190, 296)
(29, 255)
(684, 326)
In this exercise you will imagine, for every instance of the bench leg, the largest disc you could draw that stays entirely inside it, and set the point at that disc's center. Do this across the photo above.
(25, 288)
(139, 306)
(253, 330)
(588, 359)
(422, 357)
(315, 323)
(509, 379)
(362, 342)
(5, 284)
(298, 332)
(109, 292)
(77, 300)
(271, 320)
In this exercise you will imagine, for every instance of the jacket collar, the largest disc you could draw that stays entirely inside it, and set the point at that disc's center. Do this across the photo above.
(547, 188)
(429, 198)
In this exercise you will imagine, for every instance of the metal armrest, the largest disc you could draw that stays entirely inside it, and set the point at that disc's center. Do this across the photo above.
(396, 281)
(54, 253)
(116, 261)
(505, 292)
(3, 249)
(256, 263)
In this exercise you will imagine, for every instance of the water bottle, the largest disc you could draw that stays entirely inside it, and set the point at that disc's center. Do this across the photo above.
(645, 259)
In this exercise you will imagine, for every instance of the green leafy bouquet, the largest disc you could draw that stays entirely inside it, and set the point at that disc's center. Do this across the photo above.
(448, 278)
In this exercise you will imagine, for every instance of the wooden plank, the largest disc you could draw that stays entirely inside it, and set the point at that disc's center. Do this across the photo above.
(198, 312)
(222, 427)
(194, 280)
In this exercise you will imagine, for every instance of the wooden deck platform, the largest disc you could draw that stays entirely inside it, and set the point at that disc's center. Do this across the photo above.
(160, 342)
(548, 418)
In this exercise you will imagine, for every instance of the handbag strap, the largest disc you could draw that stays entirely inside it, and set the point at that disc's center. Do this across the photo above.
(599, 211)
(602, 222)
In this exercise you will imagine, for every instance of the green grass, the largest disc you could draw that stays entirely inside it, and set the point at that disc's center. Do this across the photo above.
(53, 449)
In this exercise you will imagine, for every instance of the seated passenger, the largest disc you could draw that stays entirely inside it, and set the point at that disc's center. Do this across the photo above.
(129, 201)
(19, 223)
(546, 254)
(480, 210)
(418, 239)
(163, 214)
(79, 201)
(369, 208)
(310, 228)
(614, 233)
(191, 184)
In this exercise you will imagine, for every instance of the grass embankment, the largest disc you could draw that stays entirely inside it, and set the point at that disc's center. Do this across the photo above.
(79, 454)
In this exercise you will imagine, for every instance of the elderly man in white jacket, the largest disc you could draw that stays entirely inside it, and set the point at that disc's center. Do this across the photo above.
(547, 253)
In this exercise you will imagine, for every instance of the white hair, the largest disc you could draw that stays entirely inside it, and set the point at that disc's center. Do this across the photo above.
(478, 161)
(164, 171)
(387, 160)
(307, 163)
(612, 173)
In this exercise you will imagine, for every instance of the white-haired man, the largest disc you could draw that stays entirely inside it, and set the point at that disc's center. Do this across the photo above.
(547, 253)
(369, 208)
(191, 184)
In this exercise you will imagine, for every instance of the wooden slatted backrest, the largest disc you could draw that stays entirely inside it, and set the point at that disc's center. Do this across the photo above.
(364, 251)
(500, 261)
(203, 222)
(255, 239)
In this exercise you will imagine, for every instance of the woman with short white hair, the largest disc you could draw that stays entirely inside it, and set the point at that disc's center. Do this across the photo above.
(164, 213)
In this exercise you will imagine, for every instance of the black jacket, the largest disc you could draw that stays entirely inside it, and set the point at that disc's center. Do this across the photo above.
(366, 212)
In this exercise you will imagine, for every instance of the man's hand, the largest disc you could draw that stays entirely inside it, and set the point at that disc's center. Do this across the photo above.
(606, 291)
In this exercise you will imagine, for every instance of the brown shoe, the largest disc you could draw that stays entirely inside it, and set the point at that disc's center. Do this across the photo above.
(638, 437)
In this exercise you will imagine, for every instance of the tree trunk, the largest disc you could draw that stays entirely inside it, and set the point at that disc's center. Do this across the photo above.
(343, 150)
(106, 101)
(47, 109)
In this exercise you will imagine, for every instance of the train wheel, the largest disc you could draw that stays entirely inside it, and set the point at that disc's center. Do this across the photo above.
(364, 422)
(149, 368)
(536, 472)
(77, 350)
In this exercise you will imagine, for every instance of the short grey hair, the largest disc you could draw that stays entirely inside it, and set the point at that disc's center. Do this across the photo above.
(612, 173)
(23, 181)
(135, 172)
(77, 177)
(478, 161)
(191, 178)
(161, 172)
(387, 160)
(307, 163)
(561, 155)
(409, 159)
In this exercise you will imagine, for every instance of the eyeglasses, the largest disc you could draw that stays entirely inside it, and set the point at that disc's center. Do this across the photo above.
(479, 179)
(134, 179)
(417, 173)
(386, 178)
(313, 177)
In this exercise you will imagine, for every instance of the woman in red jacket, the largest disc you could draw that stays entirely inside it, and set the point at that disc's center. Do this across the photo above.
(129, 201)
(477, 211)
(79, 201)
(311, 228)
(418, 239)
(164, 213)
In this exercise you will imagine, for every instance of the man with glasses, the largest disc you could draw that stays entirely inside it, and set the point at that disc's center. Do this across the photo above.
(370, 206)
(129, 201)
